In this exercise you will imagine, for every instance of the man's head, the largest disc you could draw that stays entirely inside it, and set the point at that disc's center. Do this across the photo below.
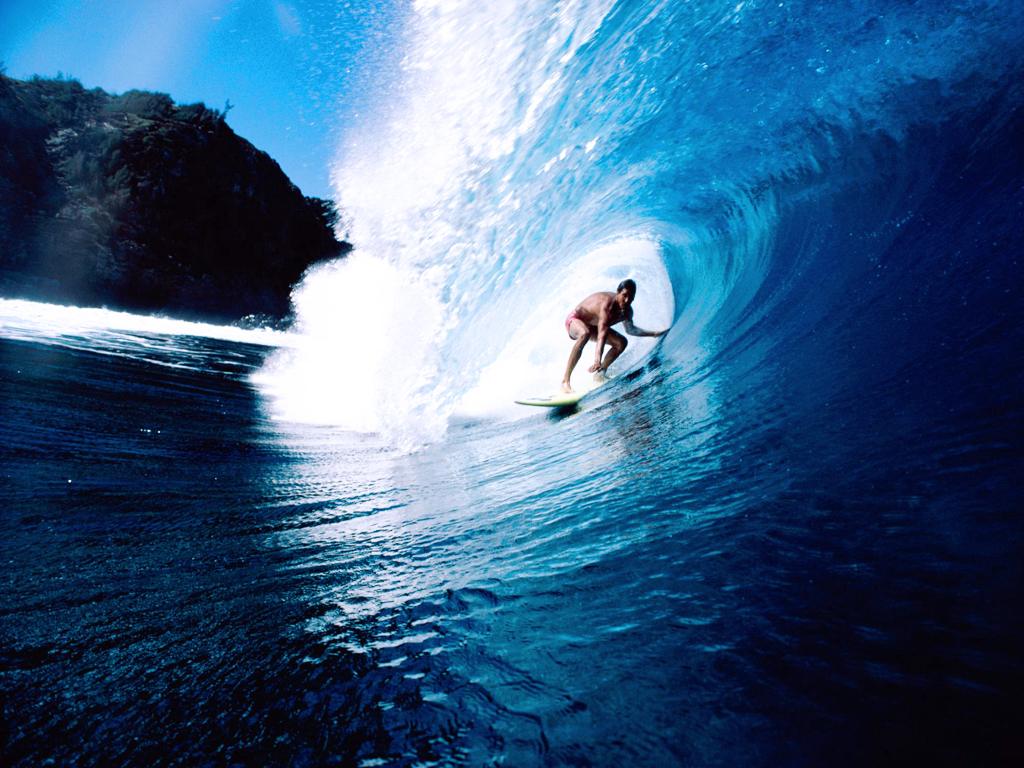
(625, 293)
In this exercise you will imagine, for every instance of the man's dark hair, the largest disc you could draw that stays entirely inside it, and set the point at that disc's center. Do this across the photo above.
(627, 284)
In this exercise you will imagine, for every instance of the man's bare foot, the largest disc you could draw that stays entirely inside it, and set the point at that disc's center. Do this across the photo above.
(600, 377)
(566, 388)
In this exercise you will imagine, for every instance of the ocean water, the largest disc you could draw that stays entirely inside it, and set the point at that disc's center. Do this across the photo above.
(786, 533)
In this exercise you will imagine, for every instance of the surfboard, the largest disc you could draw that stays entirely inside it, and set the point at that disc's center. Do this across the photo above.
(553, 401)
(561, 399)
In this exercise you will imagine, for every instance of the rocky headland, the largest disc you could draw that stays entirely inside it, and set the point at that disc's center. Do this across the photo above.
(133, 202)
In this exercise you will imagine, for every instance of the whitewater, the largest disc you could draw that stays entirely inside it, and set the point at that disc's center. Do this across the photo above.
(786, 533)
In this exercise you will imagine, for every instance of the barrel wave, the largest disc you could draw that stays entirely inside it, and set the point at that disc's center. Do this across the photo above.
(786, 533)
(718, 153)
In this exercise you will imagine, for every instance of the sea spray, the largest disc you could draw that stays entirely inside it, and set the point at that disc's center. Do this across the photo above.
(367, 356)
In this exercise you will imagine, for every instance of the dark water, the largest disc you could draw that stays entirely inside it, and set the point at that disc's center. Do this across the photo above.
(789, 535)
(187, 584)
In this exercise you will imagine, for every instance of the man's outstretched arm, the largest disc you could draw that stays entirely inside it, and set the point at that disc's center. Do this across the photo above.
(632, 330)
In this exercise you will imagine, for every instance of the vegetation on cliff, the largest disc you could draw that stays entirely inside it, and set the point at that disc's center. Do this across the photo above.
(134, 202)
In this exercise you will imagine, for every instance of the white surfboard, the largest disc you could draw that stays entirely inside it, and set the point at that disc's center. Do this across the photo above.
(561, 399)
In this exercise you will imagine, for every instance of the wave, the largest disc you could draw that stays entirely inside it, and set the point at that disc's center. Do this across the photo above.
(749, 164)
(149, 338)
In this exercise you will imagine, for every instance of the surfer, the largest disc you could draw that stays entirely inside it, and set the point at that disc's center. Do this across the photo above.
(593, 318)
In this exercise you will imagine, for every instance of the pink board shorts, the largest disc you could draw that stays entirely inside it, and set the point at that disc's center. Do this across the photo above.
(568, 321)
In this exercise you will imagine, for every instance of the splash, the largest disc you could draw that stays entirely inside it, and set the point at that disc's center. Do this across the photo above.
(366, 359)
(441, 294)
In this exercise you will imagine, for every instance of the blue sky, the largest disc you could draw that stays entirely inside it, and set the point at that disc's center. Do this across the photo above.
(295, 72)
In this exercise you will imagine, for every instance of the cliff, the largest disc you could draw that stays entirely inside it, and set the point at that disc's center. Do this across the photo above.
(136, 203)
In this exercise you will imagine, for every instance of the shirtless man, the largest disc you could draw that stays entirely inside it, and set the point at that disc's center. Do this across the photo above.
(593, 318)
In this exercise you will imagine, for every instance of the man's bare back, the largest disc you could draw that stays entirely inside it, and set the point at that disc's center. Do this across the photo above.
(594, 318)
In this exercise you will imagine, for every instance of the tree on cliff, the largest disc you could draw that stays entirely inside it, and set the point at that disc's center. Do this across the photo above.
(135, 202)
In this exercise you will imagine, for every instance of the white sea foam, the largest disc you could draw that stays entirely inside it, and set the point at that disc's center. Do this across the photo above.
(39, 321)
(367, 355)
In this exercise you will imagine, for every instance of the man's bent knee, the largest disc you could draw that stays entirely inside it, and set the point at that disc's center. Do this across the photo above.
(581, 335)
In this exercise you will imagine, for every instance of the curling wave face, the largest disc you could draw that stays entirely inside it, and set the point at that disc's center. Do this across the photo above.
(534, 153)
